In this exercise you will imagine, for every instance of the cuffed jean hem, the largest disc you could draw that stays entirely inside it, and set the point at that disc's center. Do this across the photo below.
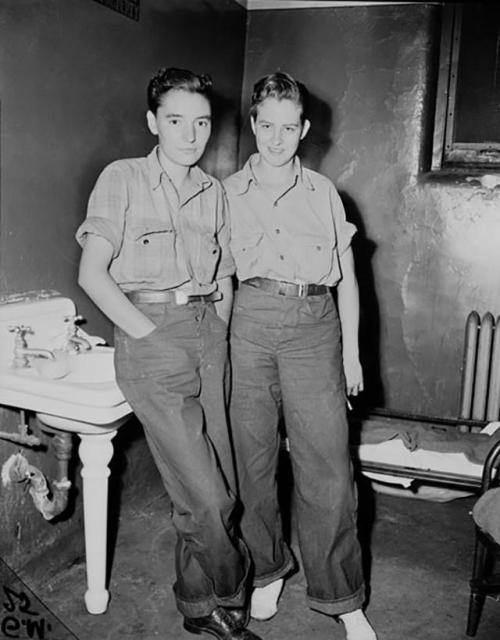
(196, 609)
(204, 607)
(338, 607)
(288, 565)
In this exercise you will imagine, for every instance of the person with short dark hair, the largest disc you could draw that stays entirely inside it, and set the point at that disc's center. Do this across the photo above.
(156, 262)
(294, 351)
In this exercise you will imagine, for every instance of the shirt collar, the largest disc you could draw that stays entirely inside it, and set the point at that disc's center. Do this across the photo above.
(157, 173)
(248, 176)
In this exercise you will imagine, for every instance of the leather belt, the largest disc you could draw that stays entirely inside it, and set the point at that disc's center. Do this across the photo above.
(283, 288)
(176, 296)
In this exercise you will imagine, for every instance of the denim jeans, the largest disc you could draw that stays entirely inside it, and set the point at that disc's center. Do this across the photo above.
(286, 353)
(173, 379)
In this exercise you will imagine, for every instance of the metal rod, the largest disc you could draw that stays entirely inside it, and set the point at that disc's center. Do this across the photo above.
(482, 367)
(469, 364)
(412, 417)
(420, 474)
(493, 408)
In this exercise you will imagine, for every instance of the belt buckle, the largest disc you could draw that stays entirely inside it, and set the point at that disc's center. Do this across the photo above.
(181, 297)
(302, 290)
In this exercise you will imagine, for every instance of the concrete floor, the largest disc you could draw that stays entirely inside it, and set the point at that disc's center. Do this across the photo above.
(418, 560)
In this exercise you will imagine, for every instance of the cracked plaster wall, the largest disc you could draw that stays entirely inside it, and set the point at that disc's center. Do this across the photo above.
(427, 251)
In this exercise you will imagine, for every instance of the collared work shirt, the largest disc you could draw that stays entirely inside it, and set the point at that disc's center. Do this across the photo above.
(298, 236)
(159, 242)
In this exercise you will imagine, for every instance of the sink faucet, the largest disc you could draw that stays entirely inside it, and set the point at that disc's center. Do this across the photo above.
(22, 353)
(75, 342)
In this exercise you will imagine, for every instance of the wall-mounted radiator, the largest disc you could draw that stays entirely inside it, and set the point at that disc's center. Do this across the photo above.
(480, 392)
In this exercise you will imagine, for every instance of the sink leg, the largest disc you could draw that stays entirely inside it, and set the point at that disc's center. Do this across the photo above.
(96, 452)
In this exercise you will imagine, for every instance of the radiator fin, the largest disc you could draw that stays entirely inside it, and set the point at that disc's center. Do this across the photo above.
(480, 391)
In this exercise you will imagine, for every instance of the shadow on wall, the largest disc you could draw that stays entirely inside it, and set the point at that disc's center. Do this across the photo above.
(318, 141)
(218, 159)
(369, 330)
(314, 148)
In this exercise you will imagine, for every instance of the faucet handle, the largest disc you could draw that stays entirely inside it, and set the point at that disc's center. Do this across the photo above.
(20, 329)
(72, 322)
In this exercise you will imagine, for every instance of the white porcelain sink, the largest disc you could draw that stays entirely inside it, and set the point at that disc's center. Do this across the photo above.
(89, 367)
(88, 393)
(93, 367)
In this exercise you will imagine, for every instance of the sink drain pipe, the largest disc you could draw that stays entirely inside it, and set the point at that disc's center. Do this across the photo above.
(50, 501)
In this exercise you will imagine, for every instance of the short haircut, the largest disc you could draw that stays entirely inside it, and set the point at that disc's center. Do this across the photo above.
(172, 79)
(282, 86)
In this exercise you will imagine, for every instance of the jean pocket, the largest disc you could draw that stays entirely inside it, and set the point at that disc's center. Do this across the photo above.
(137, 358)
(321, 308)
(122, 337)
(146, 336)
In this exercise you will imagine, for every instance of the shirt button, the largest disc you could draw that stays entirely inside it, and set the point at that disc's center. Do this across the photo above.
(146, 241)
(214, 251)
(278, 231)
(282, 257)
(318, 248)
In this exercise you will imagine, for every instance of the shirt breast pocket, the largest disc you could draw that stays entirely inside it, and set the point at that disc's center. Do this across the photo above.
(246, 250)
(314, 257)
(152, 244)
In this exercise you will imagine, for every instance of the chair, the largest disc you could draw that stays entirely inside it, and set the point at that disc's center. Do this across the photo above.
(487, 550)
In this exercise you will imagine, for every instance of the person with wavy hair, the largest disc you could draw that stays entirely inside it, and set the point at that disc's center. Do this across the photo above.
(294, 352)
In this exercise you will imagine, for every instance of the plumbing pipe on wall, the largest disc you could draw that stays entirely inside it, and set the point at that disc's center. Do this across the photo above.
(23, 436)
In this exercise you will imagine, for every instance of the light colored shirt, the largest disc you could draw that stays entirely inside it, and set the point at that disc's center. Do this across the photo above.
(159, 242)
(297, 236)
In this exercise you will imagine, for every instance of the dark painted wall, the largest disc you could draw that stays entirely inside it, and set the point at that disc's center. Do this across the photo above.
(73, 78)
(427, 252)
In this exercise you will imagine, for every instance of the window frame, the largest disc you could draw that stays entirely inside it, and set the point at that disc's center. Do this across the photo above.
(448, 153)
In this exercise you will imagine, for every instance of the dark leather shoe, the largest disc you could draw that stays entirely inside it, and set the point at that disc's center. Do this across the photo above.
(220, 624)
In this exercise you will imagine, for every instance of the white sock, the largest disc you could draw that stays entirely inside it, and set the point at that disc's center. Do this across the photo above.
(264, 602)
(357, 626)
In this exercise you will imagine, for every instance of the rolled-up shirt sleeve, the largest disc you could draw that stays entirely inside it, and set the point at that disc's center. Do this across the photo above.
(344, 230)
(226, 266)
(106, 209)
